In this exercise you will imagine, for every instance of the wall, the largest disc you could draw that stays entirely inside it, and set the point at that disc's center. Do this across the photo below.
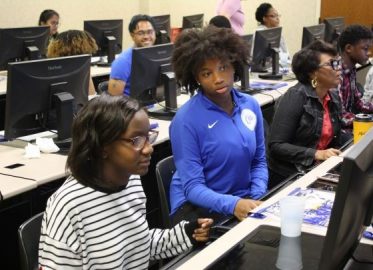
(17, 13)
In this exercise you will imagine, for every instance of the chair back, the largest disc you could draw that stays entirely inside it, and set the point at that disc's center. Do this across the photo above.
(164, 170)
(28, 238)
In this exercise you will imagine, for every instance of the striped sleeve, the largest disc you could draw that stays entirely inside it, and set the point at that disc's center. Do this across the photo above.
(166, 243)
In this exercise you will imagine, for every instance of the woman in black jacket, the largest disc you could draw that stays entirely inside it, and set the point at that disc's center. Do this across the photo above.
(306, 128)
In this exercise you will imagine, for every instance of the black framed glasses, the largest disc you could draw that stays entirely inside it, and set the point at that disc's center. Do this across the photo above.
(335, 64)
(138, 142)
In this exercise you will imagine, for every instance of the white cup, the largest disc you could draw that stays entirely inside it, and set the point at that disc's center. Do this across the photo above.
(291, 213)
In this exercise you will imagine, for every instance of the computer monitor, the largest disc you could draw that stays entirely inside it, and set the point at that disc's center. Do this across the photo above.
(267, 45)
(312, 33)
(333, 29)
(353, 205)
(19, 44)
(44, 95)
(162, 29)
(108, 36)
(152, 79)
(193, 21)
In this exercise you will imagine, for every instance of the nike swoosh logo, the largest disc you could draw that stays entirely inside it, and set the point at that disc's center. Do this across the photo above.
(212, 125)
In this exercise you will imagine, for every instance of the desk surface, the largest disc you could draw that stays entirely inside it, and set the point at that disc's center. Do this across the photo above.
(222, 245)
(11, 186)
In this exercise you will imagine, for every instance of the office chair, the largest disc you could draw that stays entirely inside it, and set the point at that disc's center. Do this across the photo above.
(28, 238)
(102, 87)
(164, 171)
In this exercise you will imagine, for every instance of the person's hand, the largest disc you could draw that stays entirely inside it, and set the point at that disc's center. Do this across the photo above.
(201, 234)
(327, 153)
(243, 207)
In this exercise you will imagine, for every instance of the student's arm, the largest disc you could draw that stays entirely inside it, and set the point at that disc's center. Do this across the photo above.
(229, 7)
(259, 170)
(116, 87)
(91, 88)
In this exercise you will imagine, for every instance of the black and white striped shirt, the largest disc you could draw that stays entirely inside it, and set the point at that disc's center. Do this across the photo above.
(84, 228)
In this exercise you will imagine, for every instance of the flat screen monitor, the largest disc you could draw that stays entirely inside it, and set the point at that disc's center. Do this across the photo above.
(353, 205)
(152, 79)
(19, 44)
(333, 29)
(267, 47)
(45, 94)
(312, 33)
(162, 28)
(193, 21)
(108, 36)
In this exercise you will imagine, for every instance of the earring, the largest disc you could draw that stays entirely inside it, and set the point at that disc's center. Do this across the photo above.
(314, 82)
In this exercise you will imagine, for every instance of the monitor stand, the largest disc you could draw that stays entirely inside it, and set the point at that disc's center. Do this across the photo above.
(274, 75)
(170, 92)
(64, 111)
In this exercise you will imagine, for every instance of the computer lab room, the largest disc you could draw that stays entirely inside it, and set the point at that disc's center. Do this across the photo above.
(170, 134)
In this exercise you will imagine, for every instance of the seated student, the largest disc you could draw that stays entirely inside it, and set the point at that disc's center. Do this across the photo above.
(368, 87)
(220, 21)
(217, 137)
(51, 18)
(73, 42)
(268, 17)
(97, 218)
(141, 28)
(232, 10)
(306, 127)
(354, 44)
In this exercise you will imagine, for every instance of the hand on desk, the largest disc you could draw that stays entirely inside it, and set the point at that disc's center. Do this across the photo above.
(243, 207)
(327, 153)
(201, 234)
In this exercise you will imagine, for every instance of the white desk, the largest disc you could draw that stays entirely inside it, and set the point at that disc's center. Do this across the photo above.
(216, 249)
(11, 186)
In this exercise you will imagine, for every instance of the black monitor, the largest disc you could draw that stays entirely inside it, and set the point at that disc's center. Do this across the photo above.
(353, 205)
(19, 44)
(267, 45)
(162, 29)
(108, 36)
(312, 33)
(193, 21)
(333, 29)
(44, 95)
(152, 79)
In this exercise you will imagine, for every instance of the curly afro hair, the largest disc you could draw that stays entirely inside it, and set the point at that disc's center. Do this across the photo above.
(194, 46)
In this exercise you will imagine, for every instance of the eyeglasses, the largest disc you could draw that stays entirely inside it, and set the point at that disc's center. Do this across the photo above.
(138, 142)
(274, 15)
(142, 33)
(335, 64)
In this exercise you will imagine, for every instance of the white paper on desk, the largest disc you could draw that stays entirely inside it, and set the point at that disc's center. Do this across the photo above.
(32, 151)
(318, 206)
(47, 145)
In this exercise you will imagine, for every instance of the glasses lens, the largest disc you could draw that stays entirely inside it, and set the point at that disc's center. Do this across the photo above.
(152, 137)
(335, 63)
(139, 142)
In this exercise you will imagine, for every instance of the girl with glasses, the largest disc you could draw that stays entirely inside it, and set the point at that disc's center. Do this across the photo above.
(97, 218)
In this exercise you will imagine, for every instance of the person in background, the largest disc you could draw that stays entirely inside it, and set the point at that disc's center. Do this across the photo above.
(217, 137)
(141, 29)
(220, 21)
(50, 18)
(232, 10)
(306, 127)
(354, 43)
(268, 17)
(73, 42)
(97, 218)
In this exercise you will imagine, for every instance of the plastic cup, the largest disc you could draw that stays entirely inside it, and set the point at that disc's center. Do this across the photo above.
(291, 214)
(289, 253)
